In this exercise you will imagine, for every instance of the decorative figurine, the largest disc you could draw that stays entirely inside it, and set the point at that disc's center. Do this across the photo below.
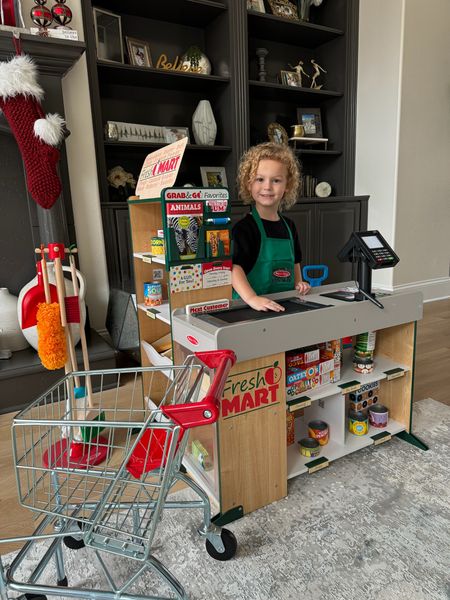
(261, 53)
(304, 6)
(40, 14)
(316, 74)
(300, 71)
(61, 14)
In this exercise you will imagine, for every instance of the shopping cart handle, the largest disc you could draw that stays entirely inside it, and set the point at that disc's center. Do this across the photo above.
(207, 410)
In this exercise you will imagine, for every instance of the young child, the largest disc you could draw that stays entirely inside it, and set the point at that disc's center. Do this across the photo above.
(267, 254)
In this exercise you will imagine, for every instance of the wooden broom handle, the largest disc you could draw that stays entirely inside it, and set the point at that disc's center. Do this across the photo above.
(44, 273)
(84, 349)
(61, 289)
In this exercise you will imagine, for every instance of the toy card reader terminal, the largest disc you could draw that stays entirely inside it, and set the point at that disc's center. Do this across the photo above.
(371, 251)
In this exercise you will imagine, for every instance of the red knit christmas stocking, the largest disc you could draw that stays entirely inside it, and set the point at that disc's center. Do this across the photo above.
(37, 135)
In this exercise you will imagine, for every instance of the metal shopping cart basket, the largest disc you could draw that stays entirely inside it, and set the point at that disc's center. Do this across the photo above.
(99, 463)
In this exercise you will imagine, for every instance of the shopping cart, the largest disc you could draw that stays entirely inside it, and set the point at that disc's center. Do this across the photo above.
(102, 479)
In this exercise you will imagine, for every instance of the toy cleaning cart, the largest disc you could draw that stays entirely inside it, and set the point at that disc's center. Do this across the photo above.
(102, 476)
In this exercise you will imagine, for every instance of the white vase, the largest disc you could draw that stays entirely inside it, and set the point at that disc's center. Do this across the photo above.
(11, 336)
(204, 125)
(30, 333)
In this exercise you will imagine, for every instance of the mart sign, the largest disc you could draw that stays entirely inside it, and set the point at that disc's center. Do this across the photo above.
(252, 390)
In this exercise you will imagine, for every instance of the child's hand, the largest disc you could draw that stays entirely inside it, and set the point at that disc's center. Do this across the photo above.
(302, 287)
(265, 304)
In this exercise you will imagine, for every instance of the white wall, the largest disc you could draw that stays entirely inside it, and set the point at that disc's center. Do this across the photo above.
(378, 107)
(83, 176)
(423, 205)
(403, 136)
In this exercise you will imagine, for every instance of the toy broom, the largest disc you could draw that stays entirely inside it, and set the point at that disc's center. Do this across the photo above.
(87, 433)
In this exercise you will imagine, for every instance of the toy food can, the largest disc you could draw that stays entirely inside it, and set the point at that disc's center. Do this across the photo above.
(378, 415)
(363, 367)
(309, 447)
(319, 431)
(358, 422)
(152, 293)
(157, 245)
(365, 342)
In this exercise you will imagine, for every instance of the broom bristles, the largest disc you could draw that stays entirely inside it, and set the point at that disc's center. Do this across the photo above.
(51, 339)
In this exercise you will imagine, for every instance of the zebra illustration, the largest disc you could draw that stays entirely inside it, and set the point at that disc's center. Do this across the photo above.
(186, 238)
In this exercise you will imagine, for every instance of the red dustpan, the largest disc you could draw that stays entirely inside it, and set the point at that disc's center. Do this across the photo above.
(33, 297)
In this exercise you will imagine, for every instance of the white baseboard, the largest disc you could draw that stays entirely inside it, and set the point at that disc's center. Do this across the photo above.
(432, 289)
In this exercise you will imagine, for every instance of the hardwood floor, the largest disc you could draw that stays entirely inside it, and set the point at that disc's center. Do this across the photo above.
(432, 380)
(432, 375)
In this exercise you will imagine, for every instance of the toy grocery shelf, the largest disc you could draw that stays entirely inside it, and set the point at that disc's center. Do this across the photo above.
(296, 462)
(382, 366)
(149, 257)
(161, 312)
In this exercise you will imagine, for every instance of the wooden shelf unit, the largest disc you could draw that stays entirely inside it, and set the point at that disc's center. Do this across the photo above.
(146, 218)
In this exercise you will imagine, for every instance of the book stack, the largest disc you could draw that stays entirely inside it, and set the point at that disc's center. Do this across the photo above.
(308, 186)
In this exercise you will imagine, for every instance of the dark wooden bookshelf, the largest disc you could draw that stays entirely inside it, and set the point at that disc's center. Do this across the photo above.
(271, 27)
(243, 106)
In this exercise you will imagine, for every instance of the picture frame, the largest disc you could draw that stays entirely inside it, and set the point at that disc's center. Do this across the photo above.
(214, 176)
(290, 78)
(256, 5)
(139, 52)
(311, 120)
(108, 35)
(284, 9)
(173, 134)
(118, 131)
(277, 133)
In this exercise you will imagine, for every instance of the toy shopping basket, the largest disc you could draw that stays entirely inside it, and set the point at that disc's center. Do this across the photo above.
(101, 474)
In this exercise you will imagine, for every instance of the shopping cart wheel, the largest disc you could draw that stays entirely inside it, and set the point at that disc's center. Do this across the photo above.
(229, 541)
(72, 542)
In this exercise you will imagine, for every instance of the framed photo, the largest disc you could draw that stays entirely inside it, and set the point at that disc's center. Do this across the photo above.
(311, 120)
(284, 8)
(108, 35)
(213, 176)
(173, 134)
(256, 5)
(291, 78)
(277, 133)
(118, 131)
(139, 52)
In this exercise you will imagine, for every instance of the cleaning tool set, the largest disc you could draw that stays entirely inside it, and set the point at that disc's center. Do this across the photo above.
(80, 404)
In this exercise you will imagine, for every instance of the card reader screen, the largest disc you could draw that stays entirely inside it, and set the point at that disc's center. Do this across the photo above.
(372, 241)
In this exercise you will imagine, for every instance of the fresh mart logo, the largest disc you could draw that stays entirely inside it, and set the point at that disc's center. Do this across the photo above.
(251, 390)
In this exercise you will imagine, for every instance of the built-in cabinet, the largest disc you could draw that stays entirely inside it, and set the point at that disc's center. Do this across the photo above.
(243, 106)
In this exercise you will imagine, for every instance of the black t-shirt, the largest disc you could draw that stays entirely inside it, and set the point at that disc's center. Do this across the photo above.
(247, 240)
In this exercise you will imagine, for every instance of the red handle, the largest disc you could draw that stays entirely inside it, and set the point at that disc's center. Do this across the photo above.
(207, 411)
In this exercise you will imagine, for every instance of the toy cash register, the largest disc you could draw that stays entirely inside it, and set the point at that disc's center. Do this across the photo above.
(371, 251)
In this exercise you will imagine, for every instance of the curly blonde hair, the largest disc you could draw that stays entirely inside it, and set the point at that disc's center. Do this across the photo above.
(269, 151)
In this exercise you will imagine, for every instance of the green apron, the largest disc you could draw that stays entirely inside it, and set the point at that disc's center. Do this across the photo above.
(274, 268)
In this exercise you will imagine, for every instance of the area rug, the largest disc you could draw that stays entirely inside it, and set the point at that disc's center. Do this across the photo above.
(375, 525)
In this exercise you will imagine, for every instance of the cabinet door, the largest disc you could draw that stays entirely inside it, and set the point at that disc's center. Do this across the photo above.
(335, 223)
(303, 217)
